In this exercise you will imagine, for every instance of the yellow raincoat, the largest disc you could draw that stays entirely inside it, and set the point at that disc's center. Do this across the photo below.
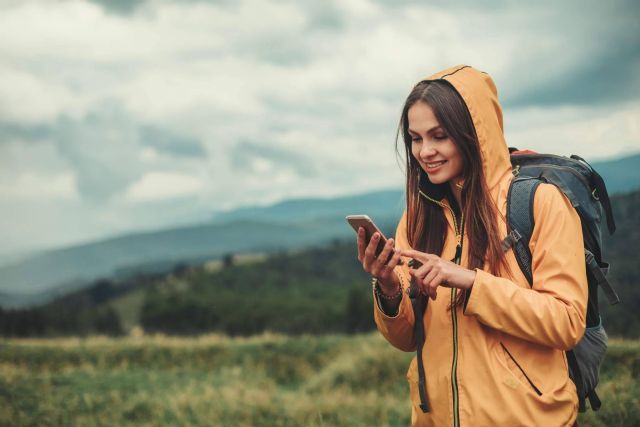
(499, 359)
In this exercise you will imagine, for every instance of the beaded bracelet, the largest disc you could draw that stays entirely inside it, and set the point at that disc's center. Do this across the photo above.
(376, 286)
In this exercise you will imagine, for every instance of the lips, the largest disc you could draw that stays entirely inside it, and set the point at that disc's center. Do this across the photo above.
(433, 166)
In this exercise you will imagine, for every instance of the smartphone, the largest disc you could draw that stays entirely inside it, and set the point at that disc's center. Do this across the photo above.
(357, 221)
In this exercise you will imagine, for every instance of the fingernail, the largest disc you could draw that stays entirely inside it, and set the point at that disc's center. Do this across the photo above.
(376, 236)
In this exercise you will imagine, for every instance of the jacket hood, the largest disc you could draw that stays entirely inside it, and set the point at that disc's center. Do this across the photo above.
(481, 97)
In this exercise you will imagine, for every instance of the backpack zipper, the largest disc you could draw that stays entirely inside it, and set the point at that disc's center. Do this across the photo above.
(454, 319)
(577, 174)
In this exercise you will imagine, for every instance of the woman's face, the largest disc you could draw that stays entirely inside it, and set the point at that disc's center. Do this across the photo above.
(434, 150)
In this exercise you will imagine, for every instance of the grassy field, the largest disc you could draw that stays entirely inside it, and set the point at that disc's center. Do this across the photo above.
(268, 380)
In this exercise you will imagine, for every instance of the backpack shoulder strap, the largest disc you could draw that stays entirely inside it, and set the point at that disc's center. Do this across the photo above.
(419, 303)
(520, 220)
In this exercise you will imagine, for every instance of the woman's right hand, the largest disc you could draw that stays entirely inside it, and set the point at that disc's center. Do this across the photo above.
(376, 266)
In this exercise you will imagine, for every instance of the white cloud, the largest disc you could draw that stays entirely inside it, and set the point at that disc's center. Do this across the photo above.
(27, 98)
(317, 92)
(591, 132)
(162, 185)
(33, 185)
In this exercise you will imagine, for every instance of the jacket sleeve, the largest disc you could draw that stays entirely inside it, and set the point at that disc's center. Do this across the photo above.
(398, 329)
(552, 312)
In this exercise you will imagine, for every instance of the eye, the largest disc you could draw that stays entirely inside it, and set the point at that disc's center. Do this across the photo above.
(441, 137)
(415, 139)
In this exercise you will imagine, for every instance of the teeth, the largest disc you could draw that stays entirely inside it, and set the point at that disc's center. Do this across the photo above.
(435, 164)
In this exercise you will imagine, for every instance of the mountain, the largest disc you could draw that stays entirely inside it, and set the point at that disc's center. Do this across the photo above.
(42, 277)
(320, 289)
(377, 204)
(620, 175)
(286, 225)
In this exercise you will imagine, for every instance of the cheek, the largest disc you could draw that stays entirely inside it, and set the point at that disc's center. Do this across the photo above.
(458, 164)
(455, 157)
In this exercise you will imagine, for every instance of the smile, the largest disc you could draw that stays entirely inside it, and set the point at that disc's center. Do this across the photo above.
(434, 165)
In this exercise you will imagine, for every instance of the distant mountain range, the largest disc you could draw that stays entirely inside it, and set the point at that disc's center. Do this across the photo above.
(621, 175)
(377, 204)
(286, 225)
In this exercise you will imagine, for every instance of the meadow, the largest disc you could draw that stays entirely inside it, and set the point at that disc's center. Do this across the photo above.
(265, 380)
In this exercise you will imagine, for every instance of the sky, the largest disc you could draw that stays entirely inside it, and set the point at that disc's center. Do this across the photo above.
(120, 116)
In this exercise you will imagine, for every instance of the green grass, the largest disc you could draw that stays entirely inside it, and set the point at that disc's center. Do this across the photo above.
(268, 380)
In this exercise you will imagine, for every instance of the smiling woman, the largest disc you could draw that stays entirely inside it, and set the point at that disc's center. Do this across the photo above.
(490, 348)
(432, 147)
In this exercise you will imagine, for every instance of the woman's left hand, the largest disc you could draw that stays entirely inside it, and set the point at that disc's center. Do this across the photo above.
(435, 272)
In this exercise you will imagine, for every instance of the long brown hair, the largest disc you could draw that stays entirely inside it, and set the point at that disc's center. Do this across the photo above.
(426, 223)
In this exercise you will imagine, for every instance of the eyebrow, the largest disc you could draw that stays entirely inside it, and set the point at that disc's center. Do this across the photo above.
(430, 130)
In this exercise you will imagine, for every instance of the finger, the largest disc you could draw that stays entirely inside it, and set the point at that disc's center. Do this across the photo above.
(412, 253)
(434, 284)
(385, 254)
(426, 281)
(423, 270)
(369, 253)
(395, 259)
(378, 268)
(387, 269)
(429, 286)
(361, 245)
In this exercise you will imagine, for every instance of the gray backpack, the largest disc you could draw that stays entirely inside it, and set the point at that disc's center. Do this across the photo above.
(587, 192)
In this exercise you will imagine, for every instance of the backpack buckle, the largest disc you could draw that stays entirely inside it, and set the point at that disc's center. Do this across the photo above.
(512, 238)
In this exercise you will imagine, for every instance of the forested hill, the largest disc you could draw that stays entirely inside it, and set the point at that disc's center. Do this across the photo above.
(292, 224)
(318, 290)
(622, 250)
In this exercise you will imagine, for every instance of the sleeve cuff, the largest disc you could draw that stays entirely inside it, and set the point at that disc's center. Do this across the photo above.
(471, 301)
(379, 306)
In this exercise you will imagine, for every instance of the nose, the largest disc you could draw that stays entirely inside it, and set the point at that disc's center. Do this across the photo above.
(427, 150)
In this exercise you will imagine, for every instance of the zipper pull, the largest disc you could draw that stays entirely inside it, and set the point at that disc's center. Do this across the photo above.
(458, 255)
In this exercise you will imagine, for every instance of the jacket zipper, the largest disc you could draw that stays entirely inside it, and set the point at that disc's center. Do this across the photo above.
(454, 319)
(538, 392)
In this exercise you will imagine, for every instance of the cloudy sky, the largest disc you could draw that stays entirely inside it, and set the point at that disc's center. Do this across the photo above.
(118, 117)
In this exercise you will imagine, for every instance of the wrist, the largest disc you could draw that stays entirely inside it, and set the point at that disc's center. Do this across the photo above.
(389, 292)
(472, 279)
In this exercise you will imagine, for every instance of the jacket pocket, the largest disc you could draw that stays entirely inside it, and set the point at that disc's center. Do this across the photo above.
(521, 371)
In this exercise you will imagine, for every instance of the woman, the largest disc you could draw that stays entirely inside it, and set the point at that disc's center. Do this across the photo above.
(493, 346)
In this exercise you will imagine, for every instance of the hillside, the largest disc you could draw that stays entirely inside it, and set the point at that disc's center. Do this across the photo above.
(621, 250)
(319, 290)
(50, 274)
(287, 225)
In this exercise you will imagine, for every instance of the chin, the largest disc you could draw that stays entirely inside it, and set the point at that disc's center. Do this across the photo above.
(439, 178)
